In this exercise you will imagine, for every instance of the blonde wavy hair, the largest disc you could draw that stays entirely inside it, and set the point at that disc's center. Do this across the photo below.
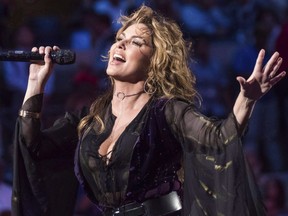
(168, 73)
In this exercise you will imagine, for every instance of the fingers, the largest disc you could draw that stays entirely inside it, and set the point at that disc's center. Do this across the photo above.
(271, 74)
(34, 49)
(272, 66)
(267, 74)
(41, 49)
(259, 61)
(242, 82)
(277, 78)
(56, 48)
(45, 51)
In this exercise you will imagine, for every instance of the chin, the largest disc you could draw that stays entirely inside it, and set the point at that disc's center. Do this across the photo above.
(110, 72)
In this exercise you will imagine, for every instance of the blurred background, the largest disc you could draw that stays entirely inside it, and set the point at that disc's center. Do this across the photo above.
(226, 37)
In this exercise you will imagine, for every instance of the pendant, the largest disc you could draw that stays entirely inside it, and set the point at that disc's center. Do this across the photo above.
(120, 95)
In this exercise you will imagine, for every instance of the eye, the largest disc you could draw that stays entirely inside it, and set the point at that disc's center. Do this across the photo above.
(137, 42)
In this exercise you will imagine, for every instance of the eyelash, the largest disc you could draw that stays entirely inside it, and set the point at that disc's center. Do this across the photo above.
(133, 41)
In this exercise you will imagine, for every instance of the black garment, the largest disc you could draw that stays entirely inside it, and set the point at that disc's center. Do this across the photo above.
(217, 179)
(139, 169)
(108, 178)
(44, 183)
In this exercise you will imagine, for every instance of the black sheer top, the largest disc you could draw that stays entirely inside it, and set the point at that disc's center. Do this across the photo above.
(217, 179)
(108, 178)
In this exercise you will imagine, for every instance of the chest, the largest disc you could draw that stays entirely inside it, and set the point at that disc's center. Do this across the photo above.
(119, 126)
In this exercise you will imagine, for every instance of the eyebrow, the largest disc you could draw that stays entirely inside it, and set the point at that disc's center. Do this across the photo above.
(134, 36)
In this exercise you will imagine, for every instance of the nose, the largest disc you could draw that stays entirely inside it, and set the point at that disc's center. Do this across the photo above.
(122, 44)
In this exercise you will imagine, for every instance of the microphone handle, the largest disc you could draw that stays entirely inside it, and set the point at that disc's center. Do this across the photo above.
(59, 57)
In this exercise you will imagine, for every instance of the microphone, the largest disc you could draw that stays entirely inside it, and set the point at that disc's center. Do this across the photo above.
(61, 57)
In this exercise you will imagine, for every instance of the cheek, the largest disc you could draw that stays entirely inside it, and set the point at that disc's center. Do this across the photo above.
(147, 57)
(146, 61)
(110, 50)
(142, 66)
(144, 57)
(141, 61)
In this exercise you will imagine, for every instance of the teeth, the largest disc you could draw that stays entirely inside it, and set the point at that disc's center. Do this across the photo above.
(119, 57)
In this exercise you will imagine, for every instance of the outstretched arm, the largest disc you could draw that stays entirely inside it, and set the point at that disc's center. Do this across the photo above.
(262, 79)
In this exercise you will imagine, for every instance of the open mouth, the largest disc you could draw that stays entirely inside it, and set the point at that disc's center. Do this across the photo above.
(118, 57)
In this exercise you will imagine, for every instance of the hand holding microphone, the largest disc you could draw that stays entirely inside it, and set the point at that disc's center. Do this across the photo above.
(39, 72)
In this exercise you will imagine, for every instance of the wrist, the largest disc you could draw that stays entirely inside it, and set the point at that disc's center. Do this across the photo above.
(33, 104)
(34, 86)
(243, 108)
(29, 114)
(247, 100)
(33, 89)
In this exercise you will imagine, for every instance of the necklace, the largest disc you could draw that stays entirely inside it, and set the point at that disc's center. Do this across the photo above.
(121, 95)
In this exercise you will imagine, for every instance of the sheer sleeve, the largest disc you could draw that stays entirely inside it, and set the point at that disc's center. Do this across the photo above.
(60, 140)
(197, 132)
(43, 168)
(217, 178)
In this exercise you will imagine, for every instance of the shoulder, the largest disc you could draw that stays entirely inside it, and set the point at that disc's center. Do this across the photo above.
(164, 102)
(177, 104)
(172, 106)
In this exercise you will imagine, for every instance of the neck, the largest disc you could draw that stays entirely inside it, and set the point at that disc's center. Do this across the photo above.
(125, 103)
(121, 95)
(124, 90)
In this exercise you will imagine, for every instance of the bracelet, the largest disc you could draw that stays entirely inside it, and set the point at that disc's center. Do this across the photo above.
(28, 114)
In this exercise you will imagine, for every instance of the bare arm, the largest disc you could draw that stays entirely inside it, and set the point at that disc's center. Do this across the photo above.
(262, 79)
(39, 73)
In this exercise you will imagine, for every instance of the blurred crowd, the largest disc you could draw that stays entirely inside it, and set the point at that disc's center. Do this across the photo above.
(226, 37)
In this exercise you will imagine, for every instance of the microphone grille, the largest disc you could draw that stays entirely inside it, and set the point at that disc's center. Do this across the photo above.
(63, 57)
